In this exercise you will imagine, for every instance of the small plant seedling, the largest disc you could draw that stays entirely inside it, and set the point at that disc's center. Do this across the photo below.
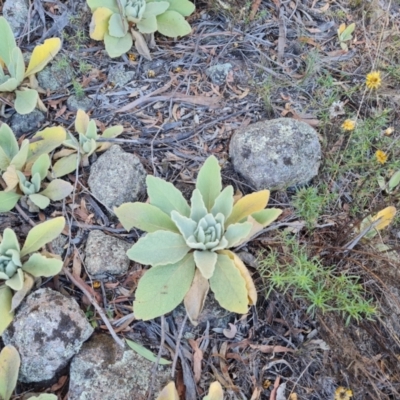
(188, 246)
(15, 80)
(80, 150)
(345, 34)
(19, 267)
(120, 22)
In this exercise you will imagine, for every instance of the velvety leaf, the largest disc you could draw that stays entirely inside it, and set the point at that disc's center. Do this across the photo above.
(224, 203)
(198, 209)
(145, 217)
(147, 354)
(148, 24)
(205, 262)
(44, 396)
(159, 248)
(215, 392)
(40, 201)
(267, 216)
(41, 166)
(5, 306)
(9, 86)
(8, 200)
(29, 281)
(21, 157)
(99, 25)
(236, 232)
(9, 241)
(7, 42)
(141, 45)
(17, 66)
(162, 288)
(8, 145)
(156, 8)
(25, 101)
(117, 26)
(17, 281)
(209, 181)
(65, 165)
(173, 24)
(42, 55)
(169, 393)
(251, 289)
(166, 196)
(248, 205)
(38, 265)
(111, 132)
(110, 4)
(185, 225)
(196, 296)
(183, 7)
(115, 46)
(9, 369)
(57, 190)
(81, 121)
(41, 234)
(11, 178)
(228, 286)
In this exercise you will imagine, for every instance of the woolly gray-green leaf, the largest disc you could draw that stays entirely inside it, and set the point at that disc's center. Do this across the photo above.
(16, 282)
(40, 201)
(9, 368)
(267, 216)
(65, 165)
(5, 306)
(144, 216)
(224, 202)
(185, 225)
(159, 248)
(236, 232)
(8, 200)
(16, 68)
(147, 25)
(209, 181)
(173, 24)
(41, 166)
(25, 101)
(198, 209)
(166, 196)
(115, 46)
(156, 8)
(183, 7)
(57, 190)
(162, 288)
(110, 4)
(38, 265)
(205, 262)
(7, 42)
(10, 85)
(117, 26)
(8, 146)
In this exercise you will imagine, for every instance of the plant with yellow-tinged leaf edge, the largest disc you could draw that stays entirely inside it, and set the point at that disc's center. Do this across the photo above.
(19, 267)
(113, 22)
(80, 150)
(15, 78)
(169, 392)
(188, 247)
(377, 222)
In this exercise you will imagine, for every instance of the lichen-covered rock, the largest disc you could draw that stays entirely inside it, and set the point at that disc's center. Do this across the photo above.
(48, 330)
(218, 73)
(117, 177)
(276, 154)
(56, 76)
(74, 103)
(119, 77)
(106, 254)
(16, 12)
(103, 370)
(28, 123)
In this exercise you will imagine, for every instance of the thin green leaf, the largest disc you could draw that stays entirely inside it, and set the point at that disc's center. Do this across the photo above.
(209, 181)
(394, 181)
(9, 368)
(147, 354)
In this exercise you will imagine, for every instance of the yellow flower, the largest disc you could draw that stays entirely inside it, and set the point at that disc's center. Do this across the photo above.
(381, 156)
(342, 393)
(348, 125)
(373, 80)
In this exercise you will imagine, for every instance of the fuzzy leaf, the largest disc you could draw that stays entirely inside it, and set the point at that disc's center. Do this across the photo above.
(38, 265)
(224, 202)
(169, 392)
(183, 7)
(144, 216)
(41, 166)
(99, 24)
(17, 281)
(65, 165)
(117, 26)
(173, 24)
(229, 286)
(156, 8)
(147, 354)
(209, 181)
(41, 234)
(11, 178)
(196, 296)
(17, 66)
(9, 369)
(81, 122)
(205, 262)
(6, 316)
(166, 196)
(393, 181)
(9, 86)
(9, 241)
(141, 45)
(248, 205)
(8, 146)
(29, 281)
(44, 396)
(8, 200)
(251, 289)
(21, 157)
(110, 4)
(185, 225)
(40, 201)
(25, 101)
(7, 42)
(115, 46)
(236, 232)
(42, 55)
(267, 216)
(215, 392)
(198, 209)
(162, 288)
(111, 132)
(159, 248)
(147, 25)
(57, 190)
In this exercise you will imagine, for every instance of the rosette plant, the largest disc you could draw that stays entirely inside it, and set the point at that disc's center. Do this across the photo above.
(113, 21)
(188, 246)
(19, 267)
(81, 149)
(15, 81)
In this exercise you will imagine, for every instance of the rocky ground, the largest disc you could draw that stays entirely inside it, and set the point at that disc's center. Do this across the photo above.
(265, 87)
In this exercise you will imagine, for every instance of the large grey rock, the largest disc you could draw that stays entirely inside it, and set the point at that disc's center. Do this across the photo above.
(16, 13)
(117, 177)
(28, 123)
(103, 370)
(48, 330)
(276, 154)
(56, 76)
(106, 254)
